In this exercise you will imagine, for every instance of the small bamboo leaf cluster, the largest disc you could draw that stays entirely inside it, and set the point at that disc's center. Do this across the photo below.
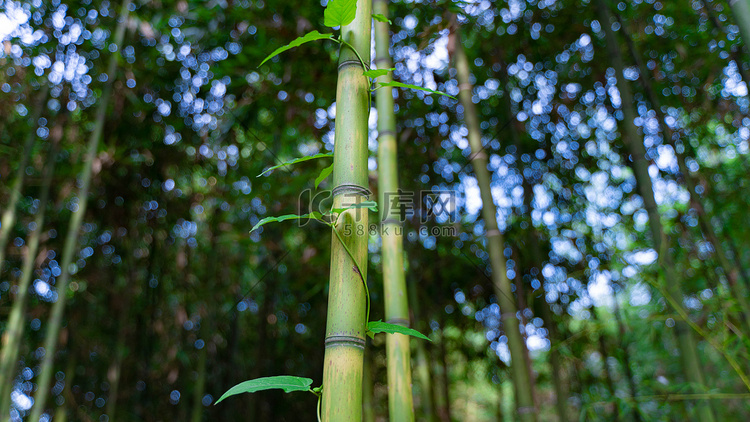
(340, 13)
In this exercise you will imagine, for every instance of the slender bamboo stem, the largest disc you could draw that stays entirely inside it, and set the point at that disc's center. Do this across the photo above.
(200, 386)
(345, 325)
(16, 321)
(400, 405)
(421, 362)
(445, 380)
(114, 374)
(741, 12)
(731, 270)
(71, 239)
(9, 214)
(625, 357)
(690, 362)
(525, 407)
(554, 358)
(609, 380)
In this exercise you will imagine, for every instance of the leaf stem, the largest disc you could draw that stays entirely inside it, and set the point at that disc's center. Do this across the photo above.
(342, 41)
(359, 270)
(320, 396)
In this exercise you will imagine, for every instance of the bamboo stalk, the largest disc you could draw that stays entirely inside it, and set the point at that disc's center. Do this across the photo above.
(17, 319)
(445, 381)
(421, 362)
(624, 355)
(731, 270)
(400, 405)
(200, 386)
(561, 402)
(690, 361)
(9, 214)
(525, 406)
(741, 12)
(71, 239)
(609, 380)
(114, 374)
(345, 325)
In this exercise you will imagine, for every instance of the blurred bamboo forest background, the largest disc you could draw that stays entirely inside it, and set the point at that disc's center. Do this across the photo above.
(615, 139)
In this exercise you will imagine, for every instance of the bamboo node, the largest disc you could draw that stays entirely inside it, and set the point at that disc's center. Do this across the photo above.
(399, 321)
(346, 63)
(479, 155)
(386, 133)
(464, 87)
(351, 189)
(492, 232)
(350, 341)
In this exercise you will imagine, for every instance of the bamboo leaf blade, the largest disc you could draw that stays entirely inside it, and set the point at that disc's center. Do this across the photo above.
(323, 175)
(380, 18)
(295, 161)
(375, 327)
(310, 36)
(374, 73)
(339, 12)
(288, 383)
(314, 215)
(419, 88)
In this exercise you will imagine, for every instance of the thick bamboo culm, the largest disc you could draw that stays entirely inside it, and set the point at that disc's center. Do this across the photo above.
(345, 324)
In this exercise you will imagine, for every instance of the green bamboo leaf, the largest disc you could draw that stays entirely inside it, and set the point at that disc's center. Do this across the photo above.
(314, 215)
(323, 175)
(370, 205)
(380, 18)
(287, 383)
(310, 36)
(374, 73)
(339, 12)
(400, 85)
(295, 161)
(374, 327)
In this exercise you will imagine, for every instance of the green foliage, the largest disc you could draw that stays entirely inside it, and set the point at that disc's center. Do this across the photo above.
(370, 205)
(374, 73)
(313, 215)
(340, 12)
(409, 86)
(287, 383)
(380, 18)
(374, 327)
(310, 36)
(323, 175)
(295, 161)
